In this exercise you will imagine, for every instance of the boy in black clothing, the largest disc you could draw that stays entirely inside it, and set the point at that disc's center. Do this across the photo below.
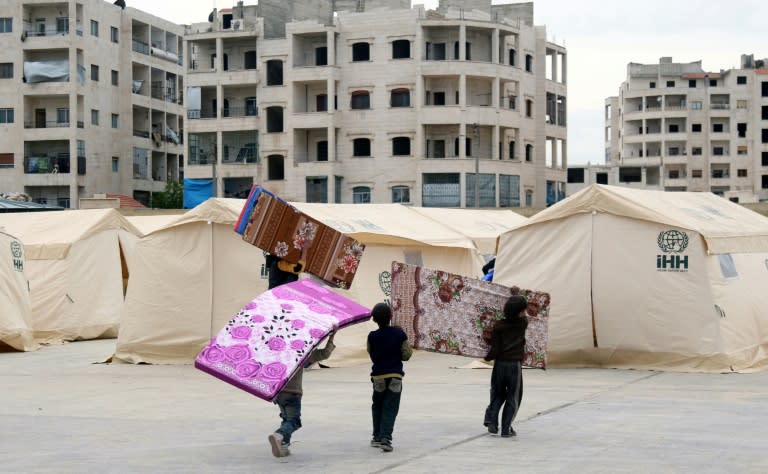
(507, 349)
(388, 347)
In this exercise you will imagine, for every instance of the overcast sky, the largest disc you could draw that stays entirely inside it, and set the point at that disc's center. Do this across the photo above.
(601, 36)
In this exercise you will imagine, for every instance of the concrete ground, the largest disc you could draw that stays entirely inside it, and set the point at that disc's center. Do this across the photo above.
(60, 413)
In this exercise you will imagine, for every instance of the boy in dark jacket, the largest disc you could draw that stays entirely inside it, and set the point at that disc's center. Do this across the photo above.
(388, 347)
(507, 349)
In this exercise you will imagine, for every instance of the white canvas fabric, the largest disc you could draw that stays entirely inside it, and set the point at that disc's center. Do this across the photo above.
(15, 305)
(637, 282)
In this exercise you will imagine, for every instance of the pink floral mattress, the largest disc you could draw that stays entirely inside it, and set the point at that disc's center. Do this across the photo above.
(454, 314)
(261, 347)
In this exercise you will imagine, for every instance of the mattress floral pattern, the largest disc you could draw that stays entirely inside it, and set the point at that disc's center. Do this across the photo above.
(267, 340)
(454, 314)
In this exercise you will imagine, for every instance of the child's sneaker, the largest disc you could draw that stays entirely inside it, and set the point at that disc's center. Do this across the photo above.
(493, 429)
(279, 449)
(508, 434)
(386, 445)
(375, 443)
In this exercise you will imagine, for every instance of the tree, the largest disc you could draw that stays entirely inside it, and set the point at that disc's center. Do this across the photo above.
(171, 198)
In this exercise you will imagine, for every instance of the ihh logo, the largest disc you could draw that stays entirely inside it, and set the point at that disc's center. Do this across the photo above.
(672, 241)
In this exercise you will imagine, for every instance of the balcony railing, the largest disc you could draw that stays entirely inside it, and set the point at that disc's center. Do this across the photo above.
(47, 164)
(240, 112)
(724, 106)
(200, 114)
(140, 47)
(140, 134)
(47, 124)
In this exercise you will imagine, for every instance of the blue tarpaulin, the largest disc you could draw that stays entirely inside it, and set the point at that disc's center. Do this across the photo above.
(197, 191)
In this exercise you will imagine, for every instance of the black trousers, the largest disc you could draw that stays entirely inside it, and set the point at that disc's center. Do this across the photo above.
(386, 404)
(506, 391)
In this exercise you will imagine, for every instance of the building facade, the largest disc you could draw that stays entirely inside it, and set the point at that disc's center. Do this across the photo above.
(676, 127)
(375, 101)
(90, 100)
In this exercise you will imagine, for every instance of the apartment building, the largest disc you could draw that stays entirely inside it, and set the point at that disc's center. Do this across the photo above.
(90, 100)
(355, 102)
(676, 127)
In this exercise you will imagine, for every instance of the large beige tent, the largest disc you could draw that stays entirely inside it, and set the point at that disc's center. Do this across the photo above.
(190, 276)
(647, 279)
(74, 270)
(483, 226)
(15, 305)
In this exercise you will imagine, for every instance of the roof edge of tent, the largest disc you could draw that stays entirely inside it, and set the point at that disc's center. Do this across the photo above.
(373, 238)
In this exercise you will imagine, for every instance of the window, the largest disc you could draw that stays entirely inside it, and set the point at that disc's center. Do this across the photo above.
(94, 72)
(361, 147)
(674, 151)
(652, 85)
(696, 174)
(274, 119)
(509, 190)
(764, 133)
(670, 83)
(360, 100)
(361, 52)
(528, 108)
(718, 151)
(696, 151)
(337, 183)
(765, 181)
(439, 98)
(512, 150)
(251, 107)
(401, 194)
(486, 190)
(317, 189)
(741, 150)
(6, 159)
(696, 127)
(249, 59)
(321, 56)
(528, 63)
(400, 98)
(741, 173)
(114, 34)
(94, 28)
(6, 115)
(322, 150)
(713, 83)
(115, 121)
(115, 78)
(692, 83)
(361, 195)
(441, 190)
(512, 57)
(741, 128)
(764, 89)
(436, 52)
(674, 174)
(741, 80)
(600, 178)
(717, 127)
(6, 25)
(696, 105)
(6, 70)
(435, 148)
(529, 152)
(467, 146)
(764, 112)
(401, 49)
(401, 146)
(274, 72)
(321, 102)
(62, 116)
(764, 158)
(719, 173)
(275, 167)
(674, 128)
(115, 164)
(94, 117)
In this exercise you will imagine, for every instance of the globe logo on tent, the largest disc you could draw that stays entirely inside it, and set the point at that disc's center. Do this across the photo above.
(672, 241)
(16, 249)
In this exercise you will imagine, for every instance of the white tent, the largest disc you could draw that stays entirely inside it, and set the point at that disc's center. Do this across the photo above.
(74, 270)
(647, 279)
(483, 226)
(189, 277)
(15, 306)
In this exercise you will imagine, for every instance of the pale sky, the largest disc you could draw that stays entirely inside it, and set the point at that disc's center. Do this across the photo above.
(602, 37)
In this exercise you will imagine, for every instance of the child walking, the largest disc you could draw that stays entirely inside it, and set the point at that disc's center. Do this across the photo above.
(507, 349)
(289, 401)
(388, 347)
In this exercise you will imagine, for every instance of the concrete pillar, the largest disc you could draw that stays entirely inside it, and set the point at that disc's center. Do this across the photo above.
(331, 45)
(496, 150)
(495, 92)
(462, 90)
(495, 46)
(462, 43)
(462, 140)
(553, 65)
(74, 201)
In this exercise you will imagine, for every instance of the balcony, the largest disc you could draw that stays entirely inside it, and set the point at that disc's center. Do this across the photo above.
(250, 111)
(140, 47)
(48, 164)
(720, 106)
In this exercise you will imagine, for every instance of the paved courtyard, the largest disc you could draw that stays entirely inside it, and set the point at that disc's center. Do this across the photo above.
(62, 413)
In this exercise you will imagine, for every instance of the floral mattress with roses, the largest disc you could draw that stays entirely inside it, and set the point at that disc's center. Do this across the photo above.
(454, 314)
(261, 347)
(275, 226)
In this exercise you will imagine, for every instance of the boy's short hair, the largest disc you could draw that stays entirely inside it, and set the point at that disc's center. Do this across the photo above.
(381, 314)
(514, 306)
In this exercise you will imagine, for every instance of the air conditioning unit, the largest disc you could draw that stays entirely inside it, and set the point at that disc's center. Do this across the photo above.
(238, 25)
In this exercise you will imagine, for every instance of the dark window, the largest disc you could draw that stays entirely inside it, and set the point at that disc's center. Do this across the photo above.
(94, 117)
(441, 190)
(670, 83)
(696, 174)
(529, 152)
(742, 129)
(674, 174)
(436, 51)
(115, 78)
(529, 108)
(674, 128)
(361, 147)
(486, 189)
(400, 98)
(275, 167)
(512, 150)
(435, 148)
(764, 89)
(575, 175)
(322, 150)
(94, 28)
(696, 127)
(321, 56)
(764, 134)
(439, 98)
(317, 189)
(765, 181)
(401, 194)
(718, 151)
(741, 80)
(321, 103)
(695, 151)
(361, 52)
(115, 121)
(114, 34)
(401, 49)
(361, 195)
(601, 178)
(6, 25)
(713, 83)
(6, 159)
(529, 63)
(401, 146)
(691, 82)
(6, 70)
(630, 175)
(741, 173)
(274, 119)
(652, 85)
(764, 112)
(94, 72)
(6, 115)
(337, 180)
(467, 146)
(249, 58)
(717, 127)
(360, 100)
(764, 157)
(251, 107)
(274, 72)
(509, 190)
(512, 57)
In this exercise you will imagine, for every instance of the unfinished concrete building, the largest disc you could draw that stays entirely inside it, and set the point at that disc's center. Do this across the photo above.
(375, 101)
(676, 127)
